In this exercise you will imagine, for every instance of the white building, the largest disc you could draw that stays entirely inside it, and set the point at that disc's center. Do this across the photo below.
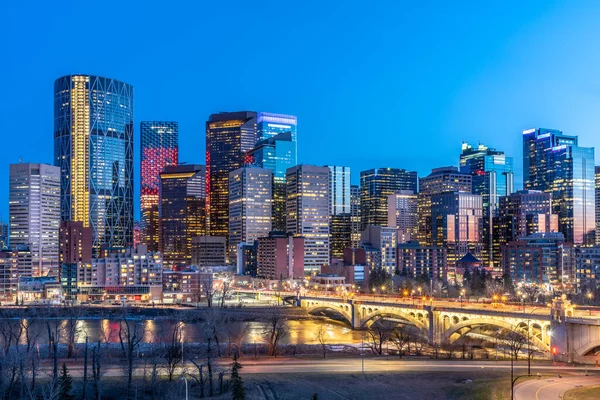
(308, 212)
(34, 207)
(250, 206)
(402, 214)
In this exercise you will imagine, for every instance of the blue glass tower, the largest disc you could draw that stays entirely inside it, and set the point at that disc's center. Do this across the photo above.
(93, 146)
(554, 163)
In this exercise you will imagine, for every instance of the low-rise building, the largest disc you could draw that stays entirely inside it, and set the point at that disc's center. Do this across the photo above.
(280, 256)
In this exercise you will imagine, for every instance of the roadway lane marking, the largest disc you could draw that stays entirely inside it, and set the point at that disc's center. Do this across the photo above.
(559, 383)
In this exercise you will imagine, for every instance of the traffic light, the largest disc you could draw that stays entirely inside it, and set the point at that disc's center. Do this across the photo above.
(554, 349)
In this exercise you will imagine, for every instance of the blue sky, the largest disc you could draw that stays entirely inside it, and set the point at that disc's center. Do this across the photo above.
(374, 84)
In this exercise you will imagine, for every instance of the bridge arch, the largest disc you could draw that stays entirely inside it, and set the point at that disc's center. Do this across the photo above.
(586, 348)
(500, 323)
(377, 314)
(343, 309)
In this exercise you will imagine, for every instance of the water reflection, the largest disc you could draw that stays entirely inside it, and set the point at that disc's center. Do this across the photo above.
(300, 332)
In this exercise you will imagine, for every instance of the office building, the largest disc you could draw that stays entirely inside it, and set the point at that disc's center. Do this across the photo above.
(541, 258)
(587, 268)
(456, 225)
(415, 260)
(93, 147)
(308, 214)
(355, 220)
(209, 251)
(181, 211)
(159, 149)
(381, 242)
(341, 217)
(229, 137)
(280, 256)
(375, 187)
(250, 207)
(276, 153)
(597, 198)
(554, 163)
(34, 208)
(75, 243)
(402, 214)
(4, 235)
(9, 275)
(440, 180)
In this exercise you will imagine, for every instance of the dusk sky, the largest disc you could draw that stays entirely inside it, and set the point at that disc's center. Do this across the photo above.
(374, 84)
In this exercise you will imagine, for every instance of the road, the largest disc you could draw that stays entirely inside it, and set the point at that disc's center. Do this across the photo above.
(552, 388)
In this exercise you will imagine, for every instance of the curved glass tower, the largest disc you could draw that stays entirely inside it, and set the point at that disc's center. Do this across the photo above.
(93, 146)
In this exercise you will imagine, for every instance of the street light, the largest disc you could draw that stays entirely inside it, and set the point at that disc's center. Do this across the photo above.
(186, 387)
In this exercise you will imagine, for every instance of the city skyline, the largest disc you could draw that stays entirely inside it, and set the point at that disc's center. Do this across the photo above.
(440, 110)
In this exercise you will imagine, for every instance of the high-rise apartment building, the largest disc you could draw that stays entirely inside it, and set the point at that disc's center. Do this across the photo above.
(456, 224)
(75, 243)
(375, 187)
(440, 180)
(308, 213)
(554, 163)
(355, 221)
(277, 153)
(159, 149)
(402, 214)
(250, 196)
(382, 241)
(229, 137)
(182, 211)
(93, 147)
(34, 208)
(209, 251)
(280, 256)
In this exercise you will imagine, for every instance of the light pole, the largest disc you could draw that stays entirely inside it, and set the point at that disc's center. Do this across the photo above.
(362, 350)
(529, 338)
(186, 387)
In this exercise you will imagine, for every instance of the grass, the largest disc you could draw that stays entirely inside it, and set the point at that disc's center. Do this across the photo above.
(482, 389)
(587, 393)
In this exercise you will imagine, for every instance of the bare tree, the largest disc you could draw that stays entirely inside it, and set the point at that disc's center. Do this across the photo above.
(131, 333)
(277, 328)
(225, 287)
(236, 331)
(209, 290)
(515, 339)
(400, 337)
(321, 336)
(172, 352)
(71, 329)
(378, 335)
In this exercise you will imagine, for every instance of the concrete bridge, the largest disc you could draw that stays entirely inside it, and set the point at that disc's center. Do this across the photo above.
(557, 332)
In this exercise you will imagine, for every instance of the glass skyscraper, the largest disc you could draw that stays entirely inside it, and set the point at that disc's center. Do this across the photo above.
(556, 164)
(340, 209)
(159, 148)
(93, 147)
(375, 187)
(229, 138)
(276, 153)
(270, 124)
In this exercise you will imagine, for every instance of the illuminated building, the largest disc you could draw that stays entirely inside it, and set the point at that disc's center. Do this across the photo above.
(355, 221)
(556, 164)
(34, 209)
(229, 137)
(9, 275)
(276, 153)
(75, 243)
(3, 235)
(422, 260)
(182, 211)
(492, 177)
(269, 125)
(93, 147)
(341, 218)
(249, 206)
(159, 149)
(456, 225)
(375, 187)
(280, 256)
(402, 214)
(587, 267)
(308, 214)
(597, 198)
(541, 258)
(440, 180)
(382, 240)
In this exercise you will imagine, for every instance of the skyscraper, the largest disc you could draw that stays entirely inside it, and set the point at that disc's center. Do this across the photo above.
(159, 148)
(34, 209)
(277, 153)
(308, 212)
(440, 180)
(182, 211)
(402, 214)
(341, 220)
(456, 224)
(269, 125)
(93, 147)
(250, 206)
(597, 197)
(356, 226)
(375, 187)
(229, 137)
(556, 164)
(492, 177)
